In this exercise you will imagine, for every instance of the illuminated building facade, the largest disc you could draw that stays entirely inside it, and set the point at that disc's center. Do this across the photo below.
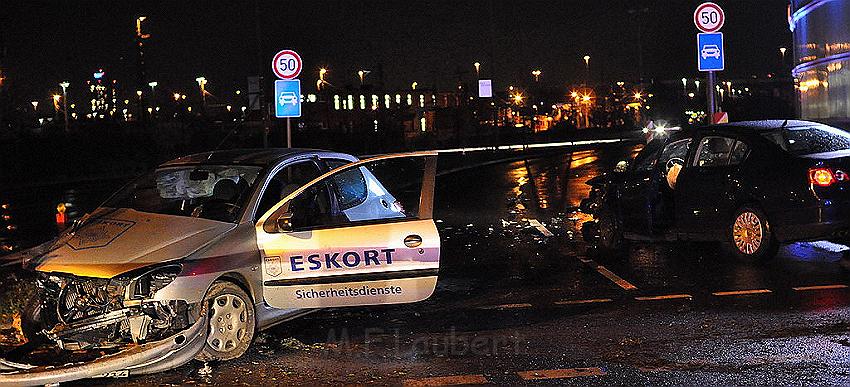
(822, 58)
(103, 96)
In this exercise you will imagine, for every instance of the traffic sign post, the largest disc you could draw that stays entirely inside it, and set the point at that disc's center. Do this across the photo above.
(287, 98)
(287, 103)
(709, 18)
(287, 65)
(710, 52)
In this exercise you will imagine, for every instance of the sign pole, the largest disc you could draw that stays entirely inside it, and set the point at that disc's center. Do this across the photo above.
(287, 65)
(711, 94)
(709, 18)
(288, 132)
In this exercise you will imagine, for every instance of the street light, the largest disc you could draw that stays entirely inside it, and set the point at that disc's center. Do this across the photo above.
(153, 85)
(536, 74)
(586, 68)
(321, 81)
(64, 86)
(176, 97)
(414, 84)
(202, 83)
(685, 85)
(139, 33)
(782, 51)
(56, 98)
(696, 82)
(361, 74)
(477, 69)
(34, 105)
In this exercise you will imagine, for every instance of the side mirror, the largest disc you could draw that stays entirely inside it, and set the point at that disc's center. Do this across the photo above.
(284, 222)
(621, 167)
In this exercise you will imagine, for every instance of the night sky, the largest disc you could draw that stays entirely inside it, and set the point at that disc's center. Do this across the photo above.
(432, 42)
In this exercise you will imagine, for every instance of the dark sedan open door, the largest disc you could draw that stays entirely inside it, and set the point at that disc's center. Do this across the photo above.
(646, 197)
(705, 191)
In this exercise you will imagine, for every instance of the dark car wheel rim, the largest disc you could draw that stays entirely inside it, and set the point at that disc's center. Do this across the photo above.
(228, 323)
(747, 232)
(607, 234)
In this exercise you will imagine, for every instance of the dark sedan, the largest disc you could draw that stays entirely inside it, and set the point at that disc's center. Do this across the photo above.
(753, 185)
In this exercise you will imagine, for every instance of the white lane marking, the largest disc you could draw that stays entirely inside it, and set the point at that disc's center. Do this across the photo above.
(819, 287)
(580, 302)
(665, 297)
(561, 374)
(453, 380)
(540, 227)
(615, 278)
(742, 292)
(506, 306)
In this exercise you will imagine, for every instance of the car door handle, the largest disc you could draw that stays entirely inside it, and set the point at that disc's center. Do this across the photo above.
(413, 241)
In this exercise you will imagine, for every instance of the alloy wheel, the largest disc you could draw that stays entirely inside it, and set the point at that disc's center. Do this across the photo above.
(748, 232)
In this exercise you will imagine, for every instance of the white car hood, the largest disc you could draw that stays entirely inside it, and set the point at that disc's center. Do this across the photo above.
(117, 241)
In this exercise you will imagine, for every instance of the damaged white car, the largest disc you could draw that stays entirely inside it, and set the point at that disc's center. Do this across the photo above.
(191, 260)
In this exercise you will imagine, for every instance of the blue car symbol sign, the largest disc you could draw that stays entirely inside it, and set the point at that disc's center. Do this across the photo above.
(710, 51)
(287, 98)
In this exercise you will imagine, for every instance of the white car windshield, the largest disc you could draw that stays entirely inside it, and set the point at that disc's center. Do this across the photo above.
(210, 192)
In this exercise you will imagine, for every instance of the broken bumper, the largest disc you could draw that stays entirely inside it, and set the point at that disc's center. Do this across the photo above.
(141, 359)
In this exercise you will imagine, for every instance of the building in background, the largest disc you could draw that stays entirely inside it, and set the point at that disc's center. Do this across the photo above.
(822, 58)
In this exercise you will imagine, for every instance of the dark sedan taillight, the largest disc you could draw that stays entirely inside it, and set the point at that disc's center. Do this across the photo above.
(825, 177)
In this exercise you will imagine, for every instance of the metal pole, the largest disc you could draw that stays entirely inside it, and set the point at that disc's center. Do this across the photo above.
(711, 94)
(288, 132)
(265, 111)
(65, 103)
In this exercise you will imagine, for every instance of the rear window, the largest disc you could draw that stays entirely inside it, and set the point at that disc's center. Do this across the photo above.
(801, 141)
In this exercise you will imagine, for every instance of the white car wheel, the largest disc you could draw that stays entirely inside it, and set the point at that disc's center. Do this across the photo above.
(230, 322)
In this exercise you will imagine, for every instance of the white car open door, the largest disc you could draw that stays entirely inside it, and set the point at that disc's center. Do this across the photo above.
(361, 234)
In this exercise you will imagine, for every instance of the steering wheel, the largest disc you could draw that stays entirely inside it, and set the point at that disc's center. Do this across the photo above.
(673, 161)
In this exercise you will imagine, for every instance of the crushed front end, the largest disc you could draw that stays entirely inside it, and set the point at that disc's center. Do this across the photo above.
(86, 313)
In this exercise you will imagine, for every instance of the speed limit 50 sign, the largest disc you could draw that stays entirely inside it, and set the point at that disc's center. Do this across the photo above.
(286, 64)
(709, 17)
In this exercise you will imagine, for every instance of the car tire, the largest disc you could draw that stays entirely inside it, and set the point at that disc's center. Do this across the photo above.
(751, 235)
(609, 239)
(231, 323)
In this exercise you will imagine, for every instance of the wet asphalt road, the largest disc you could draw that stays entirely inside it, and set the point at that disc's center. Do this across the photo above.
(514, 306)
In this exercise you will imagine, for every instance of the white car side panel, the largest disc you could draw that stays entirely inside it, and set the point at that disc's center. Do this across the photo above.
(325, 260)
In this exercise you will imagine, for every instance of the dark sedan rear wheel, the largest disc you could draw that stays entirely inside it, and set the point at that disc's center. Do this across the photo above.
(609, 236)
(751, 235)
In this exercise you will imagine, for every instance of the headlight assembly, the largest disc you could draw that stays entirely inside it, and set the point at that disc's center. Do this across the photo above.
(145, 285)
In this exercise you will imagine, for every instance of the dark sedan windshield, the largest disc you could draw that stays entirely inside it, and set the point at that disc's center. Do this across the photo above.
(210, 192)
(808, 140)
